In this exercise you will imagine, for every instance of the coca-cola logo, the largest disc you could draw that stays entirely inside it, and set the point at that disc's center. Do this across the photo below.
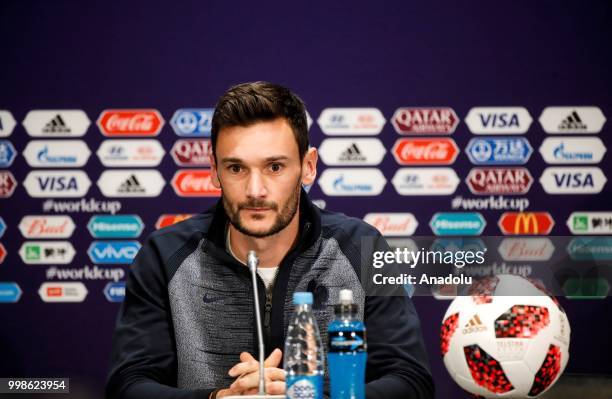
(194, 183)
(130, 122)
(7, 184)
(442, 151)
(194, 152)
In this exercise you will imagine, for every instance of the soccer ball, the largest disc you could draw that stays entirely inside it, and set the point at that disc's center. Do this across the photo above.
(496, 344)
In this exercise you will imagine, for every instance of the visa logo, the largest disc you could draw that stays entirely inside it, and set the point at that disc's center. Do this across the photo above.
(499, 120)
(115, 252)
(573, 180)
(57, 183)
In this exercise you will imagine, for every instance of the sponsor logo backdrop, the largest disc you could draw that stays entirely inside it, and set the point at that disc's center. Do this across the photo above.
(88, 170)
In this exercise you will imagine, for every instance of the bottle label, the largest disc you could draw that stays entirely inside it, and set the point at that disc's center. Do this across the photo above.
(347, 341)
(305, 387)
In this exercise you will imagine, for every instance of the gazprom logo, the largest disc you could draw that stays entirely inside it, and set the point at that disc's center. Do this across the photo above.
(192, 122)
(115, 292)
(457, 223)
(113, 252)
(115, 226)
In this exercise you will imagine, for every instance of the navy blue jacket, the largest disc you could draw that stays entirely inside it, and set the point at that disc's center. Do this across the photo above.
(188, 309)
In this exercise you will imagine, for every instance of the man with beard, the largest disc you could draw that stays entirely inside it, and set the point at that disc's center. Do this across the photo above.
(186, 327)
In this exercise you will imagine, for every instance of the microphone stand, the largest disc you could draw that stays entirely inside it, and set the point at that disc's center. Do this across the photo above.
(253, 262)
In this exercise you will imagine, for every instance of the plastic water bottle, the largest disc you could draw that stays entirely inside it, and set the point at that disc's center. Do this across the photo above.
(347, 353)
(303, 352)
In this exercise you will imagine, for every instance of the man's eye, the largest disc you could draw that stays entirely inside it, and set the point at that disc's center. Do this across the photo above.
(276, 167)
(235, 168)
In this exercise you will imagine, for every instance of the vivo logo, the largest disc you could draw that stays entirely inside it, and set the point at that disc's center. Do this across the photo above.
(113, 252)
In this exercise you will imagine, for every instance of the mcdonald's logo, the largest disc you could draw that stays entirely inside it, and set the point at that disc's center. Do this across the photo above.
(526, 223)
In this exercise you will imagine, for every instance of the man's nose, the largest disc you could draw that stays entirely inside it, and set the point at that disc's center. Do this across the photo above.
(256, 187)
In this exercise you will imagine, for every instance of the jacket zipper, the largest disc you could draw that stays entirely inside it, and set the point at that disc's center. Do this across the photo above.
(268, 306)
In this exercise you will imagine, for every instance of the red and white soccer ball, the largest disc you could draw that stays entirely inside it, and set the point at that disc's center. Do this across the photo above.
(496, 344)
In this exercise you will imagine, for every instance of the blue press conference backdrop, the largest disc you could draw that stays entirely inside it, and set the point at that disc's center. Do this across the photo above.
(109, 103)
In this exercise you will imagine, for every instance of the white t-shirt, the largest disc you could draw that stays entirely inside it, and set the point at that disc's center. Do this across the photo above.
(267, 274)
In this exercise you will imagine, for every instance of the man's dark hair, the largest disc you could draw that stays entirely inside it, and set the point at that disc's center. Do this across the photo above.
(249, 103)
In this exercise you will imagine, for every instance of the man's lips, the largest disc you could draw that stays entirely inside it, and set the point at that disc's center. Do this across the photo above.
(256, 209)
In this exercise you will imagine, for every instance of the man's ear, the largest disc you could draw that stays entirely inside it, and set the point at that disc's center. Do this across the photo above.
(214, 173)
(309, 166)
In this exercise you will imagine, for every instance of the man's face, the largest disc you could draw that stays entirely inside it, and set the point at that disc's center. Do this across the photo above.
(260, 172)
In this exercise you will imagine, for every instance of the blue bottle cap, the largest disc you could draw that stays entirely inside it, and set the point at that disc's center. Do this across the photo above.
(302, 298)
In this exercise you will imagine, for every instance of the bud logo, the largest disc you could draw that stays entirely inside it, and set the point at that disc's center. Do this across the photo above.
(57, 184)
(7, 123)
(425, 120)
(170, 219)
(113, 252)
(115, 292)
(56, 153)
(131, 183)
(572, 150)
(42, 226)
(425, 181)
(572, 119)
(9, 292)
(194, 183)
(441, 151)
(498, 120)
(393, 224)
(115, 226)
(192, 122)
(483, 181)
(526, 223)
(62, 292)
(195, 152)
(351, 121)
(526, 249)
(130, 122)
(7, 184)
(572, 180)
(7, 153)
(352, 151)
(499, 150)
(131, 153)
(590, 223)
(56, 123)
(46, 252)
(352, 181)
(457, 224)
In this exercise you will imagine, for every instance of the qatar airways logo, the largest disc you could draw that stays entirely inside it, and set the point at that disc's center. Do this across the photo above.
(130, 122)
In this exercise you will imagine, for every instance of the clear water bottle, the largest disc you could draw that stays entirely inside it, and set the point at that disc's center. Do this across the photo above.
(347, 353)
(303, 358)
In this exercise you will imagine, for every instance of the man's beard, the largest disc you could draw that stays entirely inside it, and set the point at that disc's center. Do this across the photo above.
(283, 218)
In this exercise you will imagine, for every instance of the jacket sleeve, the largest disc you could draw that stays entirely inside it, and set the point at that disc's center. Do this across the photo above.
(143, 360)
(397, 364)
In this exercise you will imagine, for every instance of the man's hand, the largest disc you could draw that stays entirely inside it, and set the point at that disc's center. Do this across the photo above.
(247, 372)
